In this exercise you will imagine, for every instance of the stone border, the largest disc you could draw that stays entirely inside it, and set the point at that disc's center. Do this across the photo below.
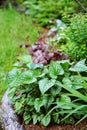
(9, 120)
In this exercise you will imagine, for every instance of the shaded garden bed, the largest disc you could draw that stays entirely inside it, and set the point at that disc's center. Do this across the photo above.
(11, 121)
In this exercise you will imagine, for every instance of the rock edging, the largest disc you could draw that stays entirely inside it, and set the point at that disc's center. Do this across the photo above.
(9, 120)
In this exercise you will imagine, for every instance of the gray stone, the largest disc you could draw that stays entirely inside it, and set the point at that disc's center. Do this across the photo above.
(9, 120)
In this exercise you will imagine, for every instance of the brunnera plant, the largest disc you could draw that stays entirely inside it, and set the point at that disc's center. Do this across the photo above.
(45, 94)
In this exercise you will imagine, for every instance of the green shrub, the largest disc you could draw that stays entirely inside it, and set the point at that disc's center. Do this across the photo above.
(44, 94)
(43, 11)
(75, 52)
(77, 32)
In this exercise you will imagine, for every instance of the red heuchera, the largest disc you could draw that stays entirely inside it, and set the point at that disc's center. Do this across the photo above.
(44, 53)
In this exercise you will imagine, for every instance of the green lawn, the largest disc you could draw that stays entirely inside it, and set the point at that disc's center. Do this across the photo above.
(14, 30)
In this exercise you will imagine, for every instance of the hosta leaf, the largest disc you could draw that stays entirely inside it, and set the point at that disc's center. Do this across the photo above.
(55, 69)
(44, 72)
(45, 84)
(25, 59)
(79, 67)
(27, 77)
(46, 120)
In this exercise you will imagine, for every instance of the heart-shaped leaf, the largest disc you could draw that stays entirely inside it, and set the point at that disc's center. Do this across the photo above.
(45, 84)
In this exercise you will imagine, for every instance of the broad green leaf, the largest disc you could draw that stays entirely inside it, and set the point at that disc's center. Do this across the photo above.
(12, 77)
(55, 69)
(50, 100)
(66, 99)
(35, 118)
(46, 120)
(77, 82)
(40, 117)
(79, 67)
(30, 100)
(39, 102)
(56, 89)
(45, 84)
(35, 66)
(27, 118)
(25, 59)
(65, 64)
(17, 77)
(56, 117)
(67, 81)
(18, 106)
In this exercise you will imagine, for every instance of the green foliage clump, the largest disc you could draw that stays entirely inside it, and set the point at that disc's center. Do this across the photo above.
(53, 93)
(73, 39)
(77, 32)
(43, 11)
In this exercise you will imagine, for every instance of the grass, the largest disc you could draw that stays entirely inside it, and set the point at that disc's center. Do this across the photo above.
(15, 29)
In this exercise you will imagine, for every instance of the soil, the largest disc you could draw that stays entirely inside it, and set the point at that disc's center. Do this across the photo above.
(80, 126)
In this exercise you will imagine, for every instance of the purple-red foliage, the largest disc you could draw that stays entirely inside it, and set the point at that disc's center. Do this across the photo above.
(44, 53)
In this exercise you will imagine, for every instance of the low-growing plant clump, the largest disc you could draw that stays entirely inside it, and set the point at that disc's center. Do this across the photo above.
(72, 39)
(77, 32)
(52, 93)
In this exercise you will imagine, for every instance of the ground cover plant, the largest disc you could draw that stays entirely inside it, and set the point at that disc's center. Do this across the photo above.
(15, 29)
(52, 93)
